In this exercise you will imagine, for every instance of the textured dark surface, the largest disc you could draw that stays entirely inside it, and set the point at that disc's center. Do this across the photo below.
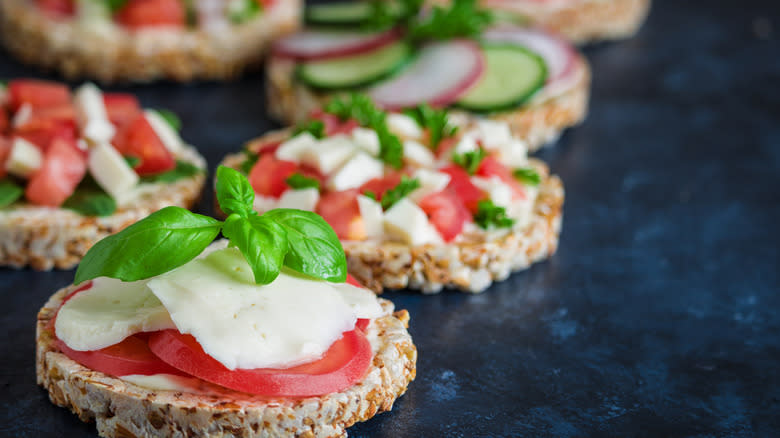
(659, 314)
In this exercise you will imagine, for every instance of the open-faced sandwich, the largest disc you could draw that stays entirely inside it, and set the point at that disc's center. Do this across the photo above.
(144, 40)
(165, 333)
(456, 56)
(76, 167)
(418, 202)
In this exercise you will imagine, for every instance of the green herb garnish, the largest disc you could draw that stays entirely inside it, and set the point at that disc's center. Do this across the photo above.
(435, 120)
(386, 14)
(170, 117)
(314, 127)
(240, 11)
(10, 192)
(183, 169)
(489, 215)
(403, 189)
(249, 161)
(370, 194)
(470, 161)
(115, 5)
(299, 181)
(528, 176)
(132, 161)
(462, 19)
(91, 201)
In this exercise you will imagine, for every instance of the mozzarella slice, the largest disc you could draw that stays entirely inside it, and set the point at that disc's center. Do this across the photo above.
(431, 182)
(373, 217)
(111, 171)
(294, 148)
(494, 134)
(515, 153)
(497, 190)
(303, 199)
(264, 203)
(165, 132)
(165, 382)
(108, 312)
(467, 143)
(407, 222)
(25, 158)
(404, 126)
(330, 153)
(366, 139)
(91, 114)
(360, 169)
(418, 154)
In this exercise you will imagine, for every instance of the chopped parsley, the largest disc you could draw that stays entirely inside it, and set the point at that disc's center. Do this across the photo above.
(299, 181)
(470, 161)
(403, 189)
(489, 215)
(435, 120)
(314, 127)
(528, 176)
(171, 118)
(249, 162)
(462, 19)
(183, 169)
(240, 11)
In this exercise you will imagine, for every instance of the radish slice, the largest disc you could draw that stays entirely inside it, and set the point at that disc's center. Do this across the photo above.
(441, 73)
(323, 44)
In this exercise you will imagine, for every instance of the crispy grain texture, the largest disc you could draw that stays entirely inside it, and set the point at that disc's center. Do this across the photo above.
(124, 410)
(537, 123)
(44, 238)
(117, 55)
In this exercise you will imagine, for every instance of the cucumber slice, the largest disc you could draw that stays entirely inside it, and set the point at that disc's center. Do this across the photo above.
(512, 75)
(338, 14)
(356, 70)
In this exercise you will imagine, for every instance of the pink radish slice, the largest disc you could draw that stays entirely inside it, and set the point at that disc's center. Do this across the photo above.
(440, 74)
(316, 44)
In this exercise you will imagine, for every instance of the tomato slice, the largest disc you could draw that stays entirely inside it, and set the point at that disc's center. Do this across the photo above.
(460, 182)
(446, 145)
(492, 167)
(57, 7)
(269, 175)
(334, 125)
(121, 108)
(341, 211)
(63, 168)
(37, 93)
(5, 150)
(138, 139)
(131, 356)
(4, 120)
(137, 14)
(378, 186)
(446, 212)
(342, 365)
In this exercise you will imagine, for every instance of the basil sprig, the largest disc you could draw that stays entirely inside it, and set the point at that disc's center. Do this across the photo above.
(171, 237)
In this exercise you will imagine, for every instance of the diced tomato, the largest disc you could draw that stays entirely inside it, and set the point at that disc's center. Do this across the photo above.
(341, 211)
(4, 121)
(446, 145)
(341, 366)
(137, 14)
(5, 150)
(268, 176)
(138, 139)
(378, 186)
(351, 280)
(63, 168)
(362, 324)
(44, 135)
(131, 356)
(121, 108)
(492, 167)
(57, 7)
(37, 93)
(446, 212)
(334, 125)
(461, 183)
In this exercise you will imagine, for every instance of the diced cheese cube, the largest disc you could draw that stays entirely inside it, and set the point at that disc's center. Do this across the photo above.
(372, 214)
(111, 171)
(499, 193)
(515, 153)
(407, 222)
(417, 153)
(404, 126)
(360, 169)
(303, 199)
(168, 136)
(521, 210)
(467, 143)
(24, 159)
(91, 114)
(494, 134)
(264, 203)
(294, 148)
(329, 154)
(23, 115)
(367, 139)
(431, 182)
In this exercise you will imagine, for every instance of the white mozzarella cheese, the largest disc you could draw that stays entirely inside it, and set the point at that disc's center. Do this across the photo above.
(264, 203)
(303, 199)
(245, 325)
(404, 126)
(108, 312)
(111, 171)
(165, 132)
(431, 182)
(515, 153)
(373, 216)
(467, 143)
(500, 193)
(407, 222)
(360, 169)
(25, 158)
(494, 134)
(330, 153)
(294, 148)
(521, 210)
(166, 382)
(418, 153)
(91, 114)
(22, 116)
(366, 139)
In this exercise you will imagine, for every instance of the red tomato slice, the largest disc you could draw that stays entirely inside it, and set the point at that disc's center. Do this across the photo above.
(57, 7)
(131, 356)
(446, 212)
(461, 183)
(138, 139)
(362, 324)
(269, 175)
(137, 14)
(492, 167)
(378, 186)
(351, 280)
(334, 125)
(63, 168)
(121, 108)
(36, 93)
(5, 150)
(4, 121)
(446, 145)
(341, 211)
(342, 365)
(44, 135)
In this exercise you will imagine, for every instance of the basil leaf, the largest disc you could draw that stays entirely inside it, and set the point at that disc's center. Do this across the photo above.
(528, 176)
(314, 248)
(171, 118)
(234, 193)
(262, 241)
(91, 202)
(298, 181)
(10, 192)
(163, 241)
(183, 169)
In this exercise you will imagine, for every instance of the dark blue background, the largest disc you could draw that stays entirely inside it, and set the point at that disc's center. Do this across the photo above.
(659, 314)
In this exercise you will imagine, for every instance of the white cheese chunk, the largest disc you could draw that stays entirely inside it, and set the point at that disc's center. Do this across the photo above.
(521, 210)
(245, 325)
(498, 192)
(467, 143)
(493, 134)
(108, 312)
(111, 171)
(330, 153)
(91, 114)
(515, 153)
(165, 382)
(373, 217)
(431, 182)
(404, 126)
(165, 132)
(25, 158)
(303, 199)
(417, 153)
(366, 139)
(360, 169)
(264, 203)
(407, 222)
(22, 116)
(294, 148)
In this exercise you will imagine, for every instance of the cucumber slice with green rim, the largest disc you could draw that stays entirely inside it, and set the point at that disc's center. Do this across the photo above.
(356, 70)
(512, 75)
(338, 14)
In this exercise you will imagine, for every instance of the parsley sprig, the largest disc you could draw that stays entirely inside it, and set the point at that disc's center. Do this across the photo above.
(314, 127)
(528, 176)
(435, 120)
(464, 18)
(470, 161)
(400, 191)
(386, 14)
(299, 181)
(489, 215)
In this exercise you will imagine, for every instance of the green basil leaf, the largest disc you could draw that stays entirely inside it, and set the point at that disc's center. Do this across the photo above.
(163, 241)
(528, 176)
(183, 169)
(262, 241)
(171, 118)
(90, 202)
(314, 248)
(10, 192)
(298, 181)
(234, 193)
